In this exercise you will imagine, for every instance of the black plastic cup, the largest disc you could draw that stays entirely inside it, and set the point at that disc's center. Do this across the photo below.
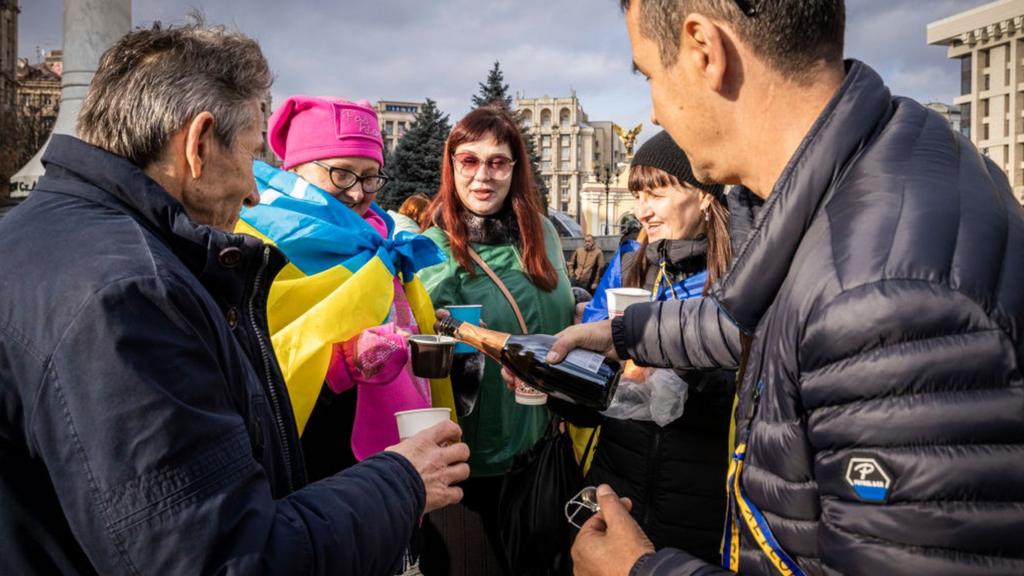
(432, 355)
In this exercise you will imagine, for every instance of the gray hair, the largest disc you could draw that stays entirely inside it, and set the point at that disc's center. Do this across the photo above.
(152, 83)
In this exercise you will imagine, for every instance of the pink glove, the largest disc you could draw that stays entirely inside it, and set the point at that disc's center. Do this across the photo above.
(374, 356)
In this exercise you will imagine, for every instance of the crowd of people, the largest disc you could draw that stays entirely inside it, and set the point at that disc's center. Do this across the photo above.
(202, 355)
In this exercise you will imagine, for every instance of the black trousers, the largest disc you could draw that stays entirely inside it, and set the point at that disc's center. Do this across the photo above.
(464, 539)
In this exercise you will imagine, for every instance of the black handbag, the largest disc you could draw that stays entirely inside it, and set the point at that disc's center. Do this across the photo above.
(534, 531)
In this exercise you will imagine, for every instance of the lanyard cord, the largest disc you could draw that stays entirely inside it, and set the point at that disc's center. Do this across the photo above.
(663, 276)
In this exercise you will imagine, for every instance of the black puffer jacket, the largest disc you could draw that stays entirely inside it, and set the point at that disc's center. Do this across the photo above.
(883, 284)
(680, 466)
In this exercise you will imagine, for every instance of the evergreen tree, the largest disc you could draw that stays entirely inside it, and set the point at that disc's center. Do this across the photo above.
(495, 91)
(415, 165)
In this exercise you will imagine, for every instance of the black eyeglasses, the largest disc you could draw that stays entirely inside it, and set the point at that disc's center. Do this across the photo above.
(344, 179)
(747, 7)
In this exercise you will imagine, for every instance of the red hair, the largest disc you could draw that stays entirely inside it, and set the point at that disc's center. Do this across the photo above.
(497, 123)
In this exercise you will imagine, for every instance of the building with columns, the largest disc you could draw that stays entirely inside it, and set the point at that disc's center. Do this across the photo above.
(564, 140)
(577, 156)
(989, 43)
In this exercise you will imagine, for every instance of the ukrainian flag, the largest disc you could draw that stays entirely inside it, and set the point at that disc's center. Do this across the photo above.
(339, 280)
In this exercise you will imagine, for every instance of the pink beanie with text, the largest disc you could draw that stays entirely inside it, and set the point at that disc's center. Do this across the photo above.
(306, 128)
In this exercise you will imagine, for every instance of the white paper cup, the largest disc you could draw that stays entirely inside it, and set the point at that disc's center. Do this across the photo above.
(620, 298)
(412, 422)
(528, 396)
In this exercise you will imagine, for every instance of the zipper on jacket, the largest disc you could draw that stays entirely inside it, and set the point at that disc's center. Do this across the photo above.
(265, 353)
(652, 478)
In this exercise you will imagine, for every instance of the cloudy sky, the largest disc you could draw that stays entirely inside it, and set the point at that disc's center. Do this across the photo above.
(441, 49)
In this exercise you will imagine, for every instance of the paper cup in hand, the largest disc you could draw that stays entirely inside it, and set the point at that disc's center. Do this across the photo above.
(412, 422)
(470, 314)
(620, 298)
(528, 396)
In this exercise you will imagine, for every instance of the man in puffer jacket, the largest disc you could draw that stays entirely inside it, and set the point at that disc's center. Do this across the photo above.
(880, 424)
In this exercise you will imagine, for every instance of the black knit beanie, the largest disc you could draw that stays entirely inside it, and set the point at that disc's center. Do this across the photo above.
(661, 152)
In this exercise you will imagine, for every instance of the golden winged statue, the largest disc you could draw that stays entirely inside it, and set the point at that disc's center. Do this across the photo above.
(628, 138)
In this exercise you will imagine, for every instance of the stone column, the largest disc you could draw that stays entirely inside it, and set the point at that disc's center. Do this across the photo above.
(90, 27)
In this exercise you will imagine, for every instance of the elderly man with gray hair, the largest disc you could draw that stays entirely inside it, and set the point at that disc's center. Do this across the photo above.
(144, 424)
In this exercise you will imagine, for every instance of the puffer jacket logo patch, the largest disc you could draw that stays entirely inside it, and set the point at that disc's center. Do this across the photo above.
(868, 479)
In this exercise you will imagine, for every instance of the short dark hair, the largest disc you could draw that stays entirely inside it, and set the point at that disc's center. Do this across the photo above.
(790, 35)
(153, 82)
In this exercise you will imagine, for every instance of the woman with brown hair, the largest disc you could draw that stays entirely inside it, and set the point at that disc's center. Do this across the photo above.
(664, 440)
(412, 215)
(488, 204)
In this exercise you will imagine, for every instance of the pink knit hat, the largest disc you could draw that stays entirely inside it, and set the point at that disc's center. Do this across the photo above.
(305, 128)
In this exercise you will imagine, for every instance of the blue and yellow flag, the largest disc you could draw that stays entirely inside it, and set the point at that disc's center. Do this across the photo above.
(338, 283)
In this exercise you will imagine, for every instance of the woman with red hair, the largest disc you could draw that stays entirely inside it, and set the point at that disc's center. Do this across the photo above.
(488, 206)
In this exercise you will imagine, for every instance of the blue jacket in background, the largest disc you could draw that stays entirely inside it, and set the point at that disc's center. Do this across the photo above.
(597, 309)
(144, 424)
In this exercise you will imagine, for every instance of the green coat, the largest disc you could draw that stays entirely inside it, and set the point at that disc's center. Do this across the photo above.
(498, 428)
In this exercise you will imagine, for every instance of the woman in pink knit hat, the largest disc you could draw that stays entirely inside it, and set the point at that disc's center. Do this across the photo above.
(340, 311)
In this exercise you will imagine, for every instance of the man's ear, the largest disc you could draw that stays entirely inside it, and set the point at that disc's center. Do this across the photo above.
(701, 48)
(199, 142)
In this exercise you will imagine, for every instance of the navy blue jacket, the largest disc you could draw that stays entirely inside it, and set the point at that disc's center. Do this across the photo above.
(144, 424)
(882, 408)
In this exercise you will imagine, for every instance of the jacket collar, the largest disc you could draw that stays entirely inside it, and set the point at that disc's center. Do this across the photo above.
(113, 181)
(856, 112)
(500, 228)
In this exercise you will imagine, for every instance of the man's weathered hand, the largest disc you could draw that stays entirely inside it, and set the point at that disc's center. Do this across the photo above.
(596, 336)
(610, 542)
(440, 459)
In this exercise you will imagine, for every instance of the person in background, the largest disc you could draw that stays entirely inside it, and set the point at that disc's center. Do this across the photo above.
(879, 423)
(488, 204)
(412, 214)
(631, 233)
(586, 264)
(145, 427)
(665, 462)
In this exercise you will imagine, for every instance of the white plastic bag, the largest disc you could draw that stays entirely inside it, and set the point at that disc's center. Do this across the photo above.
(659, 398)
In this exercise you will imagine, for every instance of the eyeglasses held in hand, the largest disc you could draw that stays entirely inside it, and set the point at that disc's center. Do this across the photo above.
(582, 506)
(344, 179)
(468, 164)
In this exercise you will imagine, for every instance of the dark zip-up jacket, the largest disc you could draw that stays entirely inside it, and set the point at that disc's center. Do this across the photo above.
(680, 466)
(144, 424)
(883, 403)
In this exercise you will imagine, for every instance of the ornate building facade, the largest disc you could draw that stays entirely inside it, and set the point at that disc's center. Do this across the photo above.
(564, 139)
(38, 97)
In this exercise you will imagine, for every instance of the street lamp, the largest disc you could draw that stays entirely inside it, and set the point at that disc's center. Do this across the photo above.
(607, 177)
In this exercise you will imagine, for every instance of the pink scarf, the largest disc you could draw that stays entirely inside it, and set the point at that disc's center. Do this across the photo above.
(377, 362)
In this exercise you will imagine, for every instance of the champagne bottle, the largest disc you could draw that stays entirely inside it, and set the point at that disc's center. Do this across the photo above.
(585, 378)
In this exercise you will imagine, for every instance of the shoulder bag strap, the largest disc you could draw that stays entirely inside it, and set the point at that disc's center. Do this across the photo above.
(501, 286)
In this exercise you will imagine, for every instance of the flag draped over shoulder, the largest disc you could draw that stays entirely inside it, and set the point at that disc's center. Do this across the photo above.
(339, 282)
